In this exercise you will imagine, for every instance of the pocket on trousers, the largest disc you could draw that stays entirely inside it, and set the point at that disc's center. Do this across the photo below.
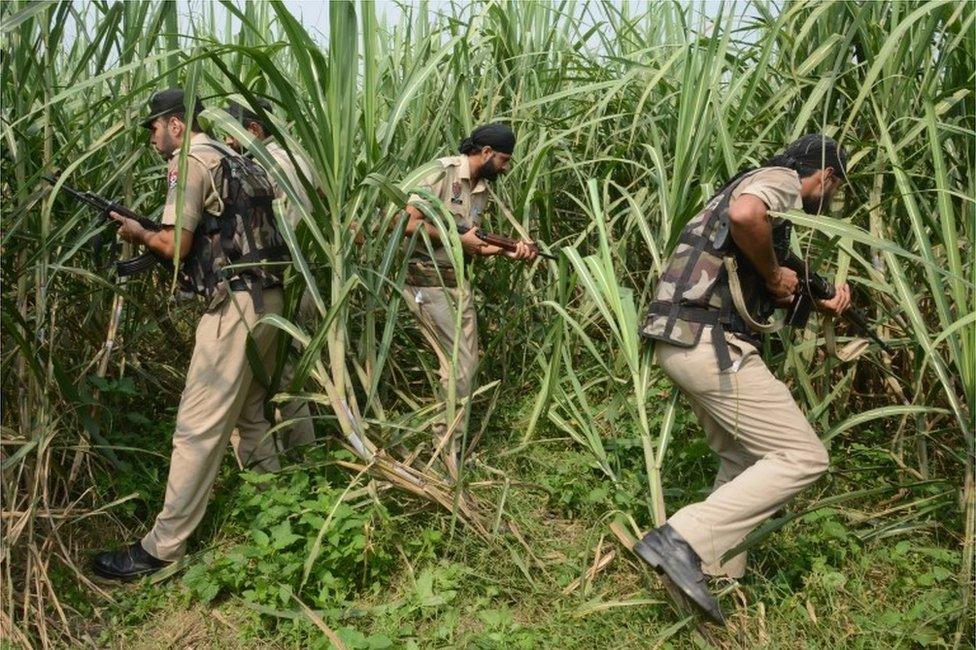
(208, 327)
(739, 352)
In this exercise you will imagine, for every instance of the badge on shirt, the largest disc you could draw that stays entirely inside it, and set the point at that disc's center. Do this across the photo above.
(171, 179)
(456, 192)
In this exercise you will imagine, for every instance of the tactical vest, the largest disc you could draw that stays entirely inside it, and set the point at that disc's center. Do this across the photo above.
(241, 248)
(693, 290)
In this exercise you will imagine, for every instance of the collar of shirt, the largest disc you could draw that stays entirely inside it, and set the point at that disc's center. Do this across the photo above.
(272, 145)
(195, 138)
(464, 173)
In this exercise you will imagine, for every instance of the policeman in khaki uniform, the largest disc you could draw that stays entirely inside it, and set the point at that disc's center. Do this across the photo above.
(433, 292)
(709, 347)
(265, 134)
(220, 391)
(301, 431)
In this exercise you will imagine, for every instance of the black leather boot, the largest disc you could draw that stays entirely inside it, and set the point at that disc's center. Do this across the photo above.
(126, 564)
(665, 550)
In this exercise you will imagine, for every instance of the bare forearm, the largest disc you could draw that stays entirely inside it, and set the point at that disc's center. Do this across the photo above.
(755, 239)
(470, 241)
(163, 242)
(413, 225)
(753, 235)
(416, 221)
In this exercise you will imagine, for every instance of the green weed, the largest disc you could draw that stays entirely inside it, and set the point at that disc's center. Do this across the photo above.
(287, 518)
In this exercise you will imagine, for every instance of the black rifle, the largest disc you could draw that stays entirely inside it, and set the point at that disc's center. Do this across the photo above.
(104, 206)
(814, 286)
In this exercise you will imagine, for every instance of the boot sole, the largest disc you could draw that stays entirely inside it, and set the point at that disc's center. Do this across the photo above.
(122, 577)
(113, 579)
(660, 564)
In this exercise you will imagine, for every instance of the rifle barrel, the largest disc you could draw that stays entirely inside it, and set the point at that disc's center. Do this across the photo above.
(102, 204)
(856, 317)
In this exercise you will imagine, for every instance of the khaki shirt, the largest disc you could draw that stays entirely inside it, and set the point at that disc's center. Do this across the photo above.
(200, 187)
(778, 187)
(452, 185)
(290, 212)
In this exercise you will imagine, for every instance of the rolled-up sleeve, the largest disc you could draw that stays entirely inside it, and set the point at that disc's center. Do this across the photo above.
(434, 183)
(779, 189)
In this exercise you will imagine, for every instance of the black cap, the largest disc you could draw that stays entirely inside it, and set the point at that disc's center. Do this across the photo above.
(816, 151)
(496, 135)
(169, 102)
(243, 114)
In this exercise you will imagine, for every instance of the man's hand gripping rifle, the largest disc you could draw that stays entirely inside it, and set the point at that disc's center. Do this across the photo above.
(104, 206)
(814, 286)
(502, 242)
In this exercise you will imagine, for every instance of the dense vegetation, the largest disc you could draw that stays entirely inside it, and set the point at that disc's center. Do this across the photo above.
(627, 115)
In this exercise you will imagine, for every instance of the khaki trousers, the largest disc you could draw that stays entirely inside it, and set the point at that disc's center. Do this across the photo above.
(436, 310)
(767, 450)
(220, 394)
(300, 432)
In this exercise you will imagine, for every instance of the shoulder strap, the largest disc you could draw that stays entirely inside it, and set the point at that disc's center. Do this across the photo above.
(222, 148)
(721, 240)
(213, 181)
(735, 289)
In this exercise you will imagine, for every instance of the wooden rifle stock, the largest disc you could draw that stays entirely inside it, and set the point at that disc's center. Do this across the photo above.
(504, 243)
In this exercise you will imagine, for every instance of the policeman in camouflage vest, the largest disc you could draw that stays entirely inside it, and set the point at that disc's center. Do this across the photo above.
(433, 291)
(231, 254)
(708, 312)
(299, 432)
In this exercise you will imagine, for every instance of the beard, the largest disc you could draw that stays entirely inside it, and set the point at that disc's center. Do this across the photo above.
(167, 146)
(816, 205)
(164, 153)
(488, 171)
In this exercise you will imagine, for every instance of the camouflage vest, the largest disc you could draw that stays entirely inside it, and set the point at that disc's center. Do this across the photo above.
(241, 248)
(693, 290)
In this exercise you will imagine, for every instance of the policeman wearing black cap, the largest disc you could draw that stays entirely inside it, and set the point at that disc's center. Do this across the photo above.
(261, 128)
(434, 292)
(294, 167)
(710, 349)
(220, 391)
(171, 102)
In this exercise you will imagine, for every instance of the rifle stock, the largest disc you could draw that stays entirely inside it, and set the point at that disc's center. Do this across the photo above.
(505, 243)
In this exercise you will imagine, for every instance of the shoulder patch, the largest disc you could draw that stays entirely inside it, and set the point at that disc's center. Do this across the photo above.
(172, 178)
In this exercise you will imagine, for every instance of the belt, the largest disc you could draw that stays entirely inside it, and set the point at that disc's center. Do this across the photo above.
(238, 284)
(420, 274)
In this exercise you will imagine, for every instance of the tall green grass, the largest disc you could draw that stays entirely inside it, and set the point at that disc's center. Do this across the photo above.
(628, 115)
